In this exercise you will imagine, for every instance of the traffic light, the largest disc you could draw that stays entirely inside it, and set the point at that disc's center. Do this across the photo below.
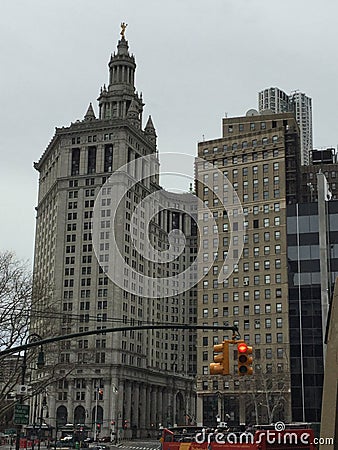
(125, 424)
(100, 393)
(98, 427)
(245, 359)
(112, 423)
(221, 364)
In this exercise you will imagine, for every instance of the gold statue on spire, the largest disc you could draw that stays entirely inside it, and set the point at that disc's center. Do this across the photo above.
(123, 29)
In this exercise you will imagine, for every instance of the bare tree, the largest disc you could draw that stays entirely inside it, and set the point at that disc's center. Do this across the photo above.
(268, 395)
(17, 301)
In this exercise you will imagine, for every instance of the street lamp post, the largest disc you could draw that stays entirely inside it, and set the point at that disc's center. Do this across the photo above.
(40, 363)
(43, 405)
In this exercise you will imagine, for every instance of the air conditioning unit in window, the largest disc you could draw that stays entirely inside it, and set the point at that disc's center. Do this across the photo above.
(246, 283)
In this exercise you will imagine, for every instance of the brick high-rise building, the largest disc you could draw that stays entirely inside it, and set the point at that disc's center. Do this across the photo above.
(259, 155)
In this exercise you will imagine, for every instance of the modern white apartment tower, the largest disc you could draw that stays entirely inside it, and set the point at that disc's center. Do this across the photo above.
(277, 101)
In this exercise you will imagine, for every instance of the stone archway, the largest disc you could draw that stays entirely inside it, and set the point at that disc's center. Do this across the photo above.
(79, 415)
(61, 416)
(180, 409)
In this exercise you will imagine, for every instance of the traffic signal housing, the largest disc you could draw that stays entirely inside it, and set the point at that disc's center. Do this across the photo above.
(100, 393)
(244, 358)
(220, 366)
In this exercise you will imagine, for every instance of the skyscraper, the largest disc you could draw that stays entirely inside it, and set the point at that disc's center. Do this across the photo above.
(259, 156)
(277, 101)
(132, 379)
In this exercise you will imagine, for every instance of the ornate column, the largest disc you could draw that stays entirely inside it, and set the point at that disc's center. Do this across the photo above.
(70, 401)
(159, 406)
(148, 405)
(120, 403)
(114, 400)
(199, 410)
(88, 403)
(153, 410)
(165, 407)
(174, 392)
(134, 420)
(143, 402)
(52, 408)
(127, 408)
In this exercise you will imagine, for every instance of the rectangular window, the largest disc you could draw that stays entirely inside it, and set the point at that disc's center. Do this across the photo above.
(75, 167)
(108, 158)
(91, 160)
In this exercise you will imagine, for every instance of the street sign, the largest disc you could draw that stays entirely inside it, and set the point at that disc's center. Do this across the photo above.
(21, 414)
(10, 431)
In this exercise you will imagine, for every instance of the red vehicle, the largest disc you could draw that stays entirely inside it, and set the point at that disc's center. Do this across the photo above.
(267, 438)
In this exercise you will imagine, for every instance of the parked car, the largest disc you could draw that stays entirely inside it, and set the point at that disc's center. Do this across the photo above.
(101, 447)
(64, 444)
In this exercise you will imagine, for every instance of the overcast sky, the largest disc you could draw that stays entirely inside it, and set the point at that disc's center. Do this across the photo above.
(196, 61)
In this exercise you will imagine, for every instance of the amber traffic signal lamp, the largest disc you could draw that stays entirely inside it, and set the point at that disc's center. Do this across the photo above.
(221, 364)
(244, 358)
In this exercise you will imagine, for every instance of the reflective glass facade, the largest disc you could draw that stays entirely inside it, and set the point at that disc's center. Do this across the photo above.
(305, 316)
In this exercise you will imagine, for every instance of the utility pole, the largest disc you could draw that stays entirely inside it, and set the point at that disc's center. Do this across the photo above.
(95, 416)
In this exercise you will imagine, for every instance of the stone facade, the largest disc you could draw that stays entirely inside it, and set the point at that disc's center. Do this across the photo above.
(146, 377)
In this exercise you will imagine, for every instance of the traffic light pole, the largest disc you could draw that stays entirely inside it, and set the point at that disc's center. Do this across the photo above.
(95, 420)
(64, 337)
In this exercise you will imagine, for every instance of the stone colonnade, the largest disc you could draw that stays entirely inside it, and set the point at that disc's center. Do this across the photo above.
(133, 408)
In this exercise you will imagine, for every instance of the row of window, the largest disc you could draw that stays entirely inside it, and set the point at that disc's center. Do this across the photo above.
(246, 267)
(91, 159)
(255, 210)
(246, 310)
(257, 295)
(87, 204)
(244, 145)
(257, 325)
(85, 248)
(217, 385)
(246, 252)
(92, 138)
(266, 222)
(87, 192)
(215, 165)
(257, 281)
(85, 306)
(85, 293)
(245, 171)
(83, 357)
(255, 196)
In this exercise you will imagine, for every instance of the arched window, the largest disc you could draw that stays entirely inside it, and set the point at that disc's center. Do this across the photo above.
(61, 416)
